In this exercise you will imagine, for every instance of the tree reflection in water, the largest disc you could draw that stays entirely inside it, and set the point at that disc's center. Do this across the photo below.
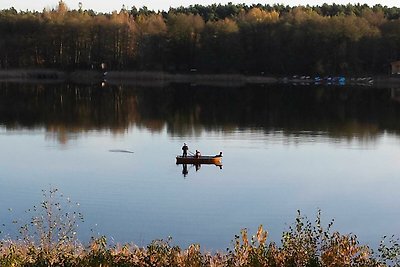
(66, 111)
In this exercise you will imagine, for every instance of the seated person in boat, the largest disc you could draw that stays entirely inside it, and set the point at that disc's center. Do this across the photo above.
(198, 154)
(219, 155)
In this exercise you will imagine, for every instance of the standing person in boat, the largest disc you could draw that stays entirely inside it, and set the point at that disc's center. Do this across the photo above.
(185, 149)
(198, 154)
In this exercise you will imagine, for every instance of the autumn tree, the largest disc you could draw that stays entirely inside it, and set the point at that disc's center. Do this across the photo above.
(184, 35)
(151, 41)
(221, 51)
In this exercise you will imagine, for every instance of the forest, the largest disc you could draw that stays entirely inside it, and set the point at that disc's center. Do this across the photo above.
(232, 38)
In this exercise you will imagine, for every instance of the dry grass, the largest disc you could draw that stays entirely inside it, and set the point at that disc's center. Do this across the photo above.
(49, 240)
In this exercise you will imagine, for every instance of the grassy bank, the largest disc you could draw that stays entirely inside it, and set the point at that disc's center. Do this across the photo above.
(188, 78)
(30, 75)
(158, 78)
(49, 76)
(50, 239)
(131, 77)
(305, 244)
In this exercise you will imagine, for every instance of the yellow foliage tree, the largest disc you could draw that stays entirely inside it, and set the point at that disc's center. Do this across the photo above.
(257, 15)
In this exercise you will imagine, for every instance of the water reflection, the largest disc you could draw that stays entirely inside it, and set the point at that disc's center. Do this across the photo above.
(184, 170)
(67, 111)
(187, 167)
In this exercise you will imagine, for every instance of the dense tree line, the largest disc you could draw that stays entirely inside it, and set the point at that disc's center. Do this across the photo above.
(232, 38)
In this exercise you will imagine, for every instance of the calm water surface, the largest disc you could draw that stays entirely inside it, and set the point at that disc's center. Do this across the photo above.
(285, 149)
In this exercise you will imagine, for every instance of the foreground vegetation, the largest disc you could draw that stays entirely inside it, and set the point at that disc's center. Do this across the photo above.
(50, 240)
(232, 38)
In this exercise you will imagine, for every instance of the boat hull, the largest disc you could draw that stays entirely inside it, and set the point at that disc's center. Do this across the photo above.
(200, 160)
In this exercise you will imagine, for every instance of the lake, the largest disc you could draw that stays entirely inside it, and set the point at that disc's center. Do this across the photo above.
(286, 148)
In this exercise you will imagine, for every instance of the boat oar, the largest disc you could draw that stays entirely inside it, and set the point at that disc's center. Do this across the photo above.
(191, 153)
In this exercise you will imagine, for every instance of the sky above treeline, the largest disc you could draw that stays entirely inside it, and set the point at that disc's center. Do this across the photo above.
(109, 6)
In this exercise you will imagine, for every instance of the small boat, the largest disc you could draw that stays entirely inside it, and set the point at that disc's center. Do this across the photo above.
(199, 160)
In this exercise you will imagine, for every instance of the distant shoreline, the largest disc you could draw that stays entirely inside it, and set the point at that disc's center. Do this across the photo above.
(159, 78)
(130, 77)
